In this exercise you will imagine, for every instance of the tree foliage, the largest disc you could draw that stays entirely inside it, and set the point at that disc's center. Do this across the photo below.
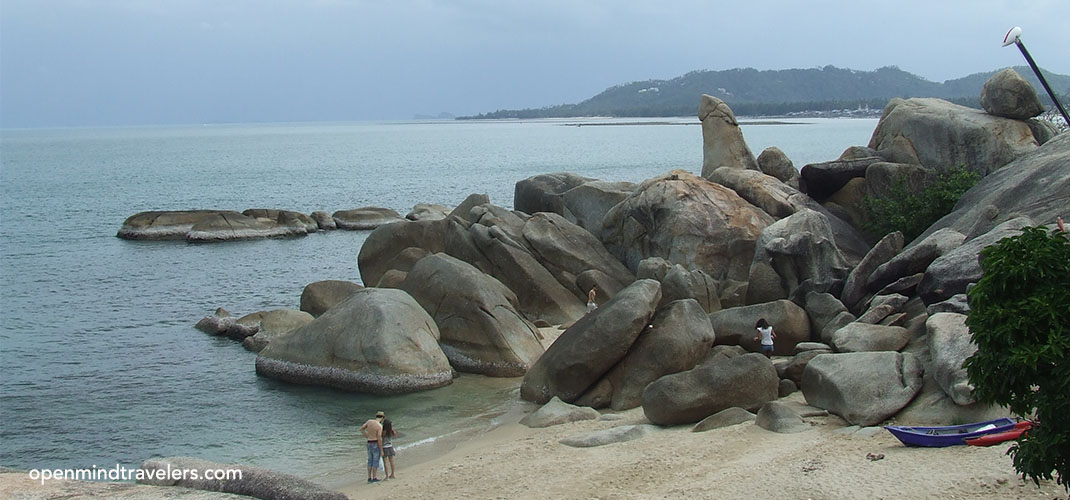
(913, 211)
(1020, 321)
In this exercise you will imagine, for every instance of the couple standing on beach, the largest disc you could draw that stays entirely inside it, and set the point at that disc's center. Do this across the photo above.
(378, 432)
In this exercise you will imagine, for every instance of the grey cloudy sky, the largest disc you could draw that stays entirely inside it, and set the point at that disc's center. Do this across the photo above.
(111, 62)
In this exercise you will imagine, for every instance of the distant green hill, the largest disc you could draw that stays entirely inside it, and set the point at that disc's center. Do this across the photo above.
(775, 92)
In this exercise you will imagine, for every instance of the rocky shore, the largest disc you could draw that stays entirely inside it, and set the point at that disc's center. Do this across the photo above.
(871, 328)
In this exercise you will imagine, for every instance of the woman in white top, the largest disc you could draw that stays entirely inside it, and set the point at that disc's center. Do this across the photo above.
(766, 334)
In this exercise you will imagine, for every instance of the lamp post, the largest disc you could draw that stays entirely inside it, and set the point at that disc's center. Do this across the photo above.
(1015, 36)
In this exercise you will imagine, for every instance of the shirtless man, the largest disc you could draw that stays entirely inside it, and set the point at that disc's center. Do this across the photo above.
(373, 432)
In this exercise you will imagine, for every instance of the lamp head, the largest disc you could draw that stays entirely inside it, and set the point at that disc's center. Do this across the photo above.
(1012, 36)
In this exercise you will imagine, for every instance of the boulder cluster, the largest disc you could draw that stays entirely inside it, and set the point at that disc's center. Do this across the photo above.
(206, 226)
(869, 327)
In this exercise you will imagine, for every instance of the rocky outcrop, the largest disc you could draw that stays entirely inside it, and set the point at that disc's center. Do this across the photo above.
(1009, 95)
(557, 412)
(318, 297)
(735, 326)
(385, 244)
(568, 250)
(915, 258)
(774, 162)
(481, 329)
(324, 220)
(949, 345)
(253, 482)
(365, 218)
(378, 341)
(272, 324)
(825, 178)
(747, 381)
(581, 200)
(426, 211)
(678, 338)
(951, 273)
(722, 140)
(761, 190)
(854, 288)
(1035, 185)
(283, 218)
(865, 337)
(674, 217)
(792, 251)
(589, 348)
(864, 388)
(920, 130)
(679, 283)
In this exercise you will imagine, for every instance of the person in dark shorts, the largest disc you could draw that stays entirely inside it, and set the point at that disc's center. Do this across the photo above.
(766, 336)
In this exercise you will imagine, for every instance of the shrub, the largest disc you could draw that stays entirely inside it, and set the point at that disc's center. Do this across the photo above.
(913, 212)
(1020, 321)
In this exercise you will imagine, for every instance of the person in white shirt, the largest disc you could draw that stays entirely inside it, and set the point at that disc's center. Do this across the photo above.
(766, 335)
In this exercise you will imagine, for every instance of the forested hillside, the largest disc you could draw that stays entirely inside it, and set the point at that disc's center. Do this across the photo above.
(751, 92)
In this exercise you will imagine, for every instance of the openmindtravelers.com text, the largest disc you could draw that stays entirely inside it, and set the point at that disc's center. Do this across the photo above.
(120, 473)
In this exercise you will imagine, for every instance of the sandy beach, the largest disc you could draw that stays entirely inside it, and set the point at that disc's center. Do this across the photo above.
(829, 461)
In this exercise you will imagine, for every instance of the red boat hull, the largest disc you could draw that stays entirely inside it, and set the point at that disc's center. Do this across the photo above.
(1000, 437)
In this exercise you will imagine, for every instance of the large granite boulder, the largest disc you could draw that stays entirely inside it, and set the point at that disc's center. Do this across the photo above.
(864, 388)
(379, 341)
(774, 162)
(272, 324)
(679, 338)
(951, 273)
(797, 249)
(1036, 185)
(254, 482)
(949, 345)
(385, 243)
(567, 249)
(677, 283)
(854, 288)
(428, 211)
(540, 294)
(793, 370)
(761, 190)
(915, 258)
(722, 140)
(592, 345)
(825, 178)
(827, 314)
(318, 297)
(735, 326)
(580, 200)
(865, 337)
(747, 381)
(481, 330)
(1009, 95)
(676, 216)
(940, 135)
(365, 218)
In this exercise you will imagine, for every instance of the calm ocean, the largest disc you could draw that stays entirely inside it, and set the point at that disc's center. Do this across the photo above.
(101, 364)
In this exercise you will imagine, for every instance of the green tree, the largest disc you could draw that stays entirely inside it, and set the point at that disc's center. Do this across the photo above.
(912, 212)
(1020, 321)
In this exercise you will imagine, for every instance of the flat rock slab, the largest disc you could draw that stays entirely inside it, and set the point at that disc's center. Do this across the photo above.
(558, 412)
(608, 436)
(724, 418)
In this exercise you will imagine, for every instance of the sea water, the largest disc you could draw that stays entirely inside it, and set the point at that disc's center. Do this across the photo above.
(99, 362)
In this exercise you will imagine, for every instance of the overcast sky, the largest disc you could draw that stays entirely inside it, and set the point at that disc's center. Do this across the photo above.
(116, 62)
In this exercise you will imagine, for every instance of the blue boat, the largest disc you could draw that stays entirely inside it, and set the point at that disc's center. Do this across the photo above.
(949, 435)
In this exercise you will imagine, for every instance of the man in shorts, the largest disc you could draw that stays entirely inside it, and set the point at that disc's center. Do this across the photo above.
(373, 432)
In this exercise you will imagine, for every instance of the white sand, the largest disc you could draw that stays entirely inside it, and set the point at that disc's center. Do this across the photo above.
(741, 461)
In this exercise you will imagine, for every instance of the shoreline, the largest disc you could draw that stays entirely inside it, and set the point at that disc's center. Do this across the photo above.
(829, 461)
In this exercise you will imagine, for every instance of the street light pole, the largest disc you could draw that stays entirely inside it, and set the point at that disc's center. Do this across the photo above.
(1015, 36)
